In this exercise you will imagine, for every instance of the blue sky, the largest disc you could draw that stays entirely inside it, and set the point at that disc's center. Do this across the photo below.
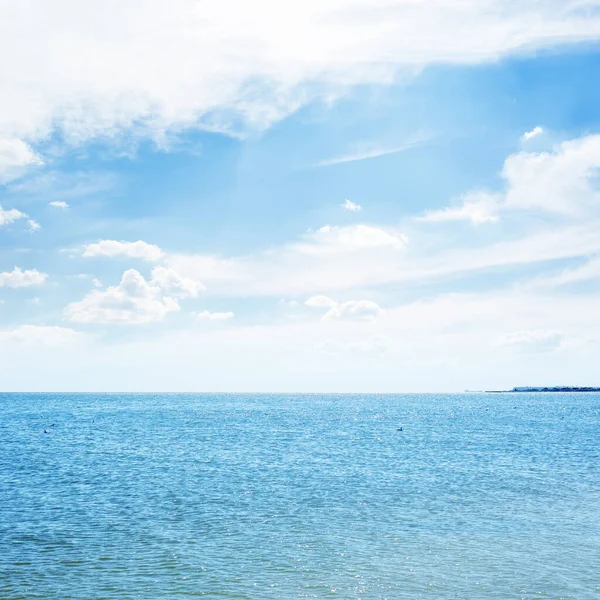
(321, 197)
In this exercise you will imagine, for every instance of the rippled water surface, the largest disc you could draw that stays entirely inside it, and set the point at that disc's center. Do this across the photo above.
(237, 496)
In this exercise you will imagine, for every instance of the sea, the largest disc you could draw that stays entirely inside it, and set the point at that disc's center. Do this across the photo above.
(277, 496)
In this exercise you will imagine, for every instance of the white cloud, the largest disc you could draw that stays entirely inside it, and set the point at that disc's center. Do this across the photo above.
(58, 204)
(33, 225)
(374, 151)
(454, 336)
(370, 346)
(43, 335)
(98, 69)
(113, 248)
(330, 258)
(537, 340)
(10, 216)
(351, 310)
(214, 316)
(562, 182)
(355, 310)
(173, 284)
(477, 207)
(18, 278)
(589, 270)
(529, 135)
(291, 270)
(320, 302)
(15, 154)
(329, 240)
(61, 185)
(134, 300)
(351, 206)
(355, 258)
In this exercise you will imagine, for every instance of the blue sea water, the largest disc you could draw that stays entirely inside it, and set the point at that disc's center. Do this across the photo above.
(299, 496)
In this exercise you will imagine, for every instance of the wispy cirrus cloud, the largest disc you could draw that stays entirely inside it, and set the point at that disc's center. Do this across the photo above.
(233, 66)
(51, 336)
(477, 207)
(62, 186)
(349, 310)
(206, 315)
(537, 340)
(558, 185)
(368, 151)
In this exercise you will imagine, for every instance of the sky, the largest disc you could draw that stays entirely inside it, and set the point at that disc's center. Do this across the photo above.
(333, 196)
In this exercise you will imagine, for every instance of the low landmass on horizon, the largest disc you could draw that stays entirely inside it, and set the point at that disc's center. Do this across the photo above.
(556, 388)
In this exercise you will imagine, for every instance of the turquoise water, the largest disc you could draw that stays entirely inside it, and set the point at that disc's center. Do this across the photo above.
(266, 496)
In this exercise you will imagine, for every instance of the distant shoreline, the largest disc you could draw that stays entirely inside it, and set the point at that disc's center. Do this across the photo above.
(557, 388)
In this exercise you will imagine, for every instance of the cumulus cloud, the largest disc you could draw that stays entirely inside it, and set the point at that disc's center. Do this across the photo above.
(158, 68)
(329, 240)
(58, 204)
(10, 216)
(134, 300)
(42, 335)
(173, 284)
(536, 340)
(351, 206)
(33, 226)
(562, 182)
(113, 248)
(529, 135)
(351, 310)
(15, 154)
(18, 278)
(214, 316)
